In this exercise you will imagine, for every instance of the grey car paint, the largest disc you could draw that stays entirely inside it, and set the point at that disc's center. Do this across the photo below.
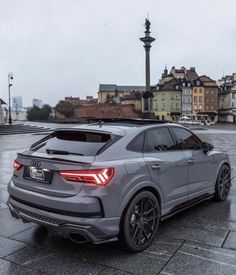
(170, 174)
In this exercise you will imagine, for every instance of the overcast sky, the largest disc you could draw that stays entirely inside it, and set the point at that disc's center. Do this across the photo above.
(58, 48)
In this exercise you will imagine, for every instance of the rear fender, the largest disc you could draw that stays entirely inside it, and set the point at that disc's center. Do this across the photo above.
(135, 190)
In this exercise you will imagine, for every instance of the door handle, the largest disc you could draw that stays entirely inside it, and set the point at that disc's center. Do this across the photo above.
(156, 166)
(191, 161)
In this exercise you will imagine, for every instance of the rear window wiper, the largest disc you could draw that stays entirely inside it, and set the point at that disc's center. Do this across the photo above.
(61, 152)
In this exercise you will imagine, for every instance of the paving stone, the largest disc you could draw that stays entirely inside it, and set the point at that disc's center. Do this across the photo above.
(8, 268)
(49, 261)
(9, 246)
(201, 259)
(9, 225)
(42, 237)
(112, 271)
(231, 241)
(140, 263)
(164, 248)
(183, 229)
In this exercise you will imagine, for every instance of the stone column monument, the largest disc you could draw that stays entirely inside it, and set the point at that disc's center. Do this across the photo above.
(147, 98)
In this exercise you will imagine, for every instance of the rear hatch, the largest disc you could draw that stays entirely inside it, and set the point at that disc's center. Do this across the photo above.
(63, 150)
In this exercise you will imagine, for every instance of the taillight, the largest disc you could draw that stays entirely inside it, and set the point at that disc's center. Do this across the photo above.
(16, 165)
(99, 177)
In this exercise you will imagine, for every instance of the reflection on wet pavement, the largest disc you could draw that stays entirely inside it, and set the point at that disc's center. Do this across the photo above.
(200, 240)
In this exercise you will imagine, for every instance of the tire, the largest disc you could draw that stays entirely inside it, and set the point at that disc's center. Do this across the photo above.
(140, 222)
(223, 183)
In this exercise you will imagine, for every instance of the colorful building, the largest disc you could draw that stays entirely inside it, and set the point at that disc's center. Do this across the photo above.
(227, 99)
(205, 99)
(167, 100)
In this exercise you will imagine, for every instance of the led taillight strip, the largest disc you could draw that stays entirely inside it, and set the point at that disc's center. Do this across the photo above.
(99, 177)
(16, 165)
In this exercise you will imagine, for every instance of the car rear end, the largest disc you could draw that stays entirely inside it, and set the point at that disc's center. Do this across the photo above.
(57, 183)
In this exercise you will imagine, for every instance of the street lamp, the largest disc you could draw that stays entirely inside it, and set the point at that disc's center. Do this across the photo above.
(10, 77)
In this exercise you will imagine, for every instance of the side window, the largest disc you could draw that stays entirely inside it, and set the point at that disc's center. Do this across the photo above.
(186, 139)
(136, 144)
(158, 140)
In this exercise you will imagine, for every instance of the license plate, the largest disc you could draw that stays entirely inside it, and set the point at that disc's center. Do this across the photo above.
(41, 175)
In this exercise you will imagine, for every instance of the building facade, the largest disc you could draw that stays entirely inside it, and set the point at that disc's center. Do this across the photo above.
(185, 78)
(227, 99)
(167, 100)
(205, 99)
(37, 102)
(17, 103)
(107, 91)
(186, 103)
(2, 117)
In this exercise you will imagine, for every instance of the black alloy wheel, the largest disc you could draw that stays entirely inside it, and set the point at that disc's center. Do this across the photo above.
(223, 183)
(141, 221)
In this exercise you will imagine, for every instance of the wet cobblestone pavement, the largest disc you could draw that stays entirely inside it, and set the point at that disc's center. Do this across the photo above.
(200, 240)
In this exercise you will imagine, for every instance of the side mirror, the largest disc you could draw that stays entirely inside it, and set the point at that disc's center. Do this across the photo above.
(207, 147)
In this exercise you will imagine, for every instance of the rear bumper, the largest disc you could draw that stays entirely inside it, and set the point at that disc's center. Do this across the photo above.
(92, 229)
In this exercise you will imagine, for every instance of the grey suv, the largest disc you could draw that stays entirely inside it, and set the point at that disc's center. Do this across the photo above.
(114, 179)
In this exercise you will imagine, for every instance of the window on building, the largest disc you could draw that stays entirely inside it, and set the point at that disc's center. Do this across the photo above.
(200, 98)
(212, 99)
(212, 92)
(172, 96)
(195, 90)
(212, 107)
(195, 99)
(189, 84)
(207, 92)
(163, 97)
(177, 105)
(207, 98)
(177, 96)
(172, 106)
(200, 91)
(163, 106)
(200, 107)
(195, 107)
(207, 108)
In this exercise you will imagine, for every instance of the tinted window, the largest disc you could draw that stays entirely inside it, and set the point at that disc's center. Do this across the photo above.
(158, 140)
(137, 143)
(84, 143)
(186, 139)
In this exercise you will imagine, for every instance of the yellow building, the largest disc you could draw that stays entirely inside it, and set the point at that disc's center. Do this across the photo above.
(107, 91)
(205, 99)
(167, 101)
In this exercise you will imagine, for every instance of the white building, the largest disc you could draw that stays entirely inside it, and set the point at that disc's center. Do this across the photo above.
(2, 118)
(227, 99)
(17, 103)
(37, 102)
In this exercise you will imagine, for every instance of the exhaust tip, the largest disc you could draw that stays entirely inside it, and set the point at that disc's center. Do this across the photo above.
(78, 238)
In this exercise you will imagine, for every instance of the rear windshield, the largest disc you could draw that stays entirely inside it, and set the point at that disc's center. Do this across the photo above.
(77, 142)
